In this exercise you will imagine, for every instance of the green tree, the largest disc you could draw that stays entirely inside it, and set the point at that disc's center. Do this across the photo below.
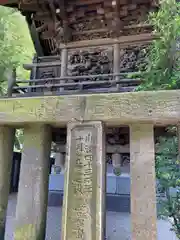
(16, 45)
(161, 70)
(16, 49)
(168, 174)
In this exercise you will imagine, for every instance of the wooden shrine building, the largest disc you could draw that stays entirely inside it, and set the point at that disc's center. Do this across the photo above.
(89, 56)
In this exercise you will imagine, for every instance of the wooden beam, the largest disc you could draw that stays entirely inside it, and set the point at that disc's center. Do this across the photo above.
(67, 33)
(87, 2)
(123, 40)
(158, 107)
(41, 64)
(116, 61)
(64, 65)
(117, 23)
(102, 30)
(8, 2)
(34, 36)
(84, 83)
(11, 82)
(82, 77)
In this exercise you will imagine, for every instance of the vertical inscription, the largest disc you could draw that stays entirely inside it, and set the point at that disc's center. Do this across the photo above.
(82, 182)
(83, 192)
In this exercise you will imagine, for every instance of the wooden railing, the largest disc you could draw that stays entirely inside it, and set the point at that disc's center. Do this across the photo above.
(122, 82)
(62, 83)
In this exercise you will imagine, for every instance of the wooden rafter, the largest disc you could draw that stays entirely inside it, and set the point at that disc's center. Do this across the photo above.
(70, 21)
(118, 24)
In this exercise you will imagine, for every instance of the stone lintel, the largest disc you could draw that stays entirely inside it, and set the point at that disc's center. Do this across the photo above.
(143, 182)
(84, 196)
(158, 107)
(33, 186)
(6, 155)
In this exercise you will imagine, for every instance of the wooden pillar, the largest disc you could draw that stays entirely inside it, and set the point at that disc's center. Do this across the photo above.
(116, 62)
(143, 182)
(11, 82)
(84, 196)
(64, 64)
(6, 156)
(33, 185)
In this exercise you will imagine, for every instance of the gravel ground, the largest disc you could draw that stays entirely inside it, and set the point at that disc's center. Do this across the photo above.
(117, 224)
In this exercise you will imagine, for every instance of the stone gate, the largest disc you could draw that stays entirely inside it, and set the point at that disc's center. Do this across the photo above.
(86, 117)
(86, 95)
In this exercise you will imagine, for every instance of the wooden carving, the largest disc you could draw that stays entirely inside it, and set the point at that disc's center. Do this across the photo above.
(63, 21)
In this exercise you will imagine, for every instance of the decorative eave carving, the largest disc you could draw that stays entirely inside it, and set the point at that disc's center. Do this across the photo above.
(65, 21)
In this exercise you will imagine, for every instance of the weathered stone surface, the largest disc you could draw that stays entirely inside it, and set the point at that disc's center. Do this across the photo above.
(84, 206)
(6, 154)
(33, 185)
(119, 108)
(143, 182)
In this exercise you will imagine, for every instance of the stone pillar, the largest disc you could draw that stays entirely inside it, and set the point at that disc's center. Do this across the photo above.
(59, 163)
(116, 62)
(143, 182)
(33, 186)
(64, 64)
(116, 162)
(6, 155)
(84, 196)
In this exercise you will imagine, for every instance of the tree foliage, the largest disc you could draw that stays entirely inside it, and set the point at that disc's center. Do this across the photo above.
(161, 70)
(16, 44)
(16, 49)
(168, 174)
